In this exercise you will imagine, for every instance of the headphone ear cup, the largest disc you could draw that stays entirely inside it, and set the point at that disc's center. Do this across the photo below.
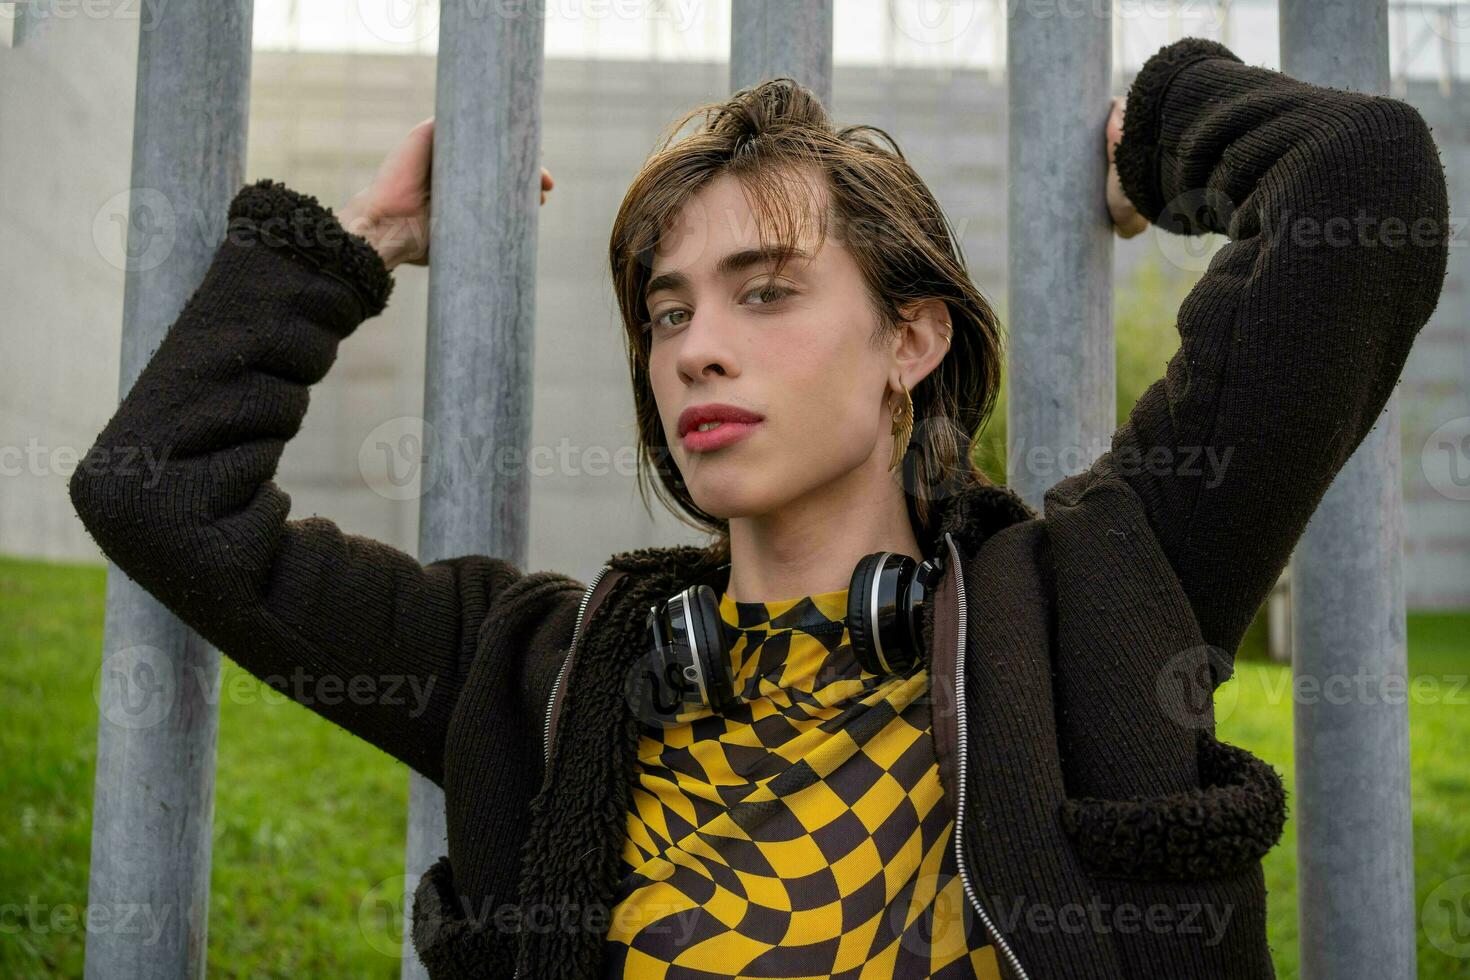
(919, 594)
(879, 613)
(861, 629)
(656, 691)
(707, 646)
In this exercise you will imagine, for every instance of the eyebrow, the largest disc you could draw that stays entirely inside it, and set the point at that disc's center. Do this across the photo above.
(734, 262)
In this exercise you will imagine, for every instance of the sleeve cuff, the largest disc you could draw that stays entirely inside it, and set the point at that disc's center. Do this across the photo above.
(282, 216)
(1215, 831)
(1138, 152)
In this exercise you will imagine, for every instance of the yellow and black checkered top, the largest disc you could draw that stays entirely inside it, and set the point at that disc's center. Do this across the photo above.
(803, 832)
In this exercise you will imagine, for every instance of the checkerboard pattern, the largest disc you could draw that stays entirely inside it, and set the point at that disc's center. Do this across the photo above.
(803, 832)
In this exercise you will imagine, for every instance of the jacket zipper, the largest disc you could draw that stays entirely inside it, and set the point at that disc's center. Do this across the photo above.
(959, 820)
(576, 632)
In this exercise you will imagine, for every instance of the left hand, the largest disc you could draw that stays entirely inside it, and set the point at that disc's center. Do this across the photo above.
(1127, 222)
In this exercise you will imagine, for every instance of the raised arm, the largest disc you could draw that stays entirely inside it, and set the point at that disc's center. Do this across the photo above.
(352, 628)
(1335, 205)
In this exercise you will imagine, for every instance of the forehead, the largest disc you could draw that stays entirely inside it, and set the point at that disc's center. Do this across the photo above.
(721, 217)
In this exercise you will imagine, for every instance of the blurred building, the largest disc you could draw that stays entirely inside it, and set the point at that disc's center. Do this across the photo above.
(336, 85)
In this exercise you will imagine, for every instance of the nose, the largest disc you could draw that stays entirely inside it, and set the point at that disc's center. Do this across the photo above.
(704, 347)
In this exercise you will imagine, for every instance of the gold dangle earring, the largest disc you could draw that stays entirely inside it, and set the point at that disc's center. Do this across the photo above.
(903, 418)
(903, 427)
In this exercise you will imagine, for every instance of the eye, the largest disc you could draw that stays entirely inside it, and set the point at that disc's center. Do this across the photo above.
(769, 293)
(658, 321)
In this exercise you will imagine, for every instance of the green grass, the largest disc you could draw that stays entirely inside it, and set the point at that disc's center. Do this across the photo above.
(309, 821)
(1439, 729)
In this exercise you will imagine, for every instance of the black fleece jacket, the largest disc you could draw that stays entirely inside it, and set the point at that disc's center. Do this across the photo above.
(1335, 205)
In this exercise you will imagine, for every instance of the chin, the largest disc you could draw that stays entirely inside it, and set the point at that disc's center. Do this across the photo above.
(742, 496)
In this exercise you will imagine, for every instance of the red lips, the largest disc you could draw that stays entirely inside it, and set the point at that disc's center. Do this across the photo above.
(696, 415)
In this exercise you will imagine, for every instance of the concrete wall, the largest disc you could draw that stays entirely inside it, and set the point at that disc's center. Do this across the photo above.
(66, 122)
(322, 122)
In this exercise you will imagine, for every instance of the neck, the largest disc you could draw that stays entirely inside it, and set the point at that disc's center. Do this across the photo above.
(810, 545)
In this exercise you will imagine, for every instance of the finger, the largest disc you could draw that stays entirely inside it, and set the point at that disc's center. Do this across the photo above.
(1129, 223)
(1115, 127)
(416, 153)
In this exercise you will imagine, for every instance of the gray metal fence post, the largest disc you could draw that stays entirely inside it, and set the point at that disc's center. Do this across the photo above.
(482, 281)
(1060, 407)
(153, 800)
(1355, 853)
(769, 39)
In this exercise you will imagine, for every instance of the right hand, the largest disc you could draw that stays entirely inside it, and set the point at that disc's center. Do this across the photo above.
(1127, 222)
(392, 212)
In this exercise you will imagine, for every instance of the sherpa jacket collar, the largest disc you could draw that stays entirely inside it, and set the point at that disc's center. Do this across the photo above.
(971, 515)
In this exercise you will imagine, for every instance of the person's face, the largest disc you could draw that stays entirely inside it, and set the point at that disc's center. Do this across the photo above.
(795, 349)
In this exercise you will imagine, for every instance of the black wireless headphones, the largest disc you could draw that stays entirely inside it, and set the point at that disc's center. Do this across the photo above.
(687, 660)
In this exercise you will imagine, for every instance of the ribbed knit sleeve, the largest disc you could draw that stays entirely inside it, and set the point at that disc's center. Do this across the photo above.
(1335, 207)
(177, 490)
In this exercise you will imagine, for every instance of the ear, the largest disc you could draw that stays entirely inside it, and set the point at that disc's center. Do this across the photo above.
(920, 344)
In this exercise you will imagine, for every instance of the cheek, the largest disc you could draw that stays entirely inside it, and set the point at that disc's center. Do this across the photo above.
(825, 410)
(662, 379)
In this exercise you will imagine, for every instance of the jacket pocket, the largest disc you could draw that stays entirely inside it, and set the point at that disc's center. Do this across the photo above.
(1217, 830)
(449, 942)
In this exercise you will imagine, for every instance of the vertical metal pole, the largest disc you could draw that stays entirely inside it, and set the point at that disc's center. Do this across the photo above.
(1060, 409)
(25, 22)
(1355, 854)
(770, 38)
(482, 280)
(153, 801)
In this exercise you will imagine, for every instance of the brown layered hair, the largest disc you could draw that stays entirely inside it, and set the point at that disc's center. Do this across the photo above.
(768, 136)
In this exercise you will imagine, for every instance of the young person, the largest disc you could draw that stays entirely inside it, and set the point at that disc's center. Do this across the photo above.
(1039, 792)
